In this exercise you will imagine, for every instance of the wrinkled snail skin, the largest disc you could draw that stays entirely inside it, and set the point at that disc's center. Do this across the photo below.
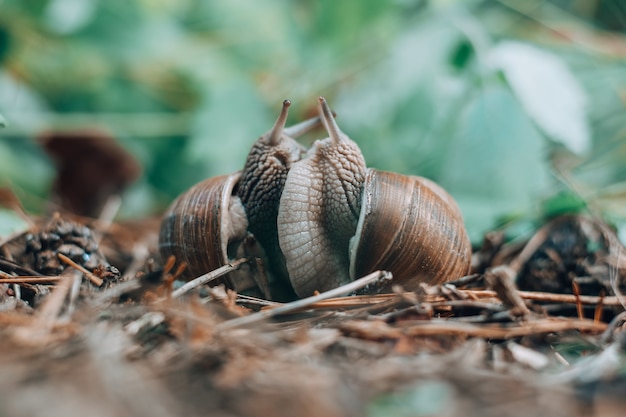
(262, 182)
(319, 211)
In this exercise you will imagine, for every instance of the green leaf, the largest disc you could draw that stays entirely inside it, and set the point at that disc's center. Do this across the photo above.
(462, 55)
(67, 16)
(399, 110)
(495, 164)
(548, 90)
(6, 42)
(563, 202)
(3, 122)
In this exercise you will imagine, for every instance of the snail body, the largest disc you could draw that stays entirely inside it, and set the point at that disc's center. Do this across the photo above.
(322, 218)
(319, 211)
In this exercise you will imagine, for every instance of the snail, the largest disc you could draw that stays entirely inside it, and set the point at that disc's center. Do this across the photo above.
(322, 218)
(338, 220)
(207, 225)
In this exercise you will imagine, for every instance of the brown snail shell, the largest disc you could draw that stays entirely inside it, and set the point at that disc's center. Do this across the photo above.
(203, 225)
(410, 226)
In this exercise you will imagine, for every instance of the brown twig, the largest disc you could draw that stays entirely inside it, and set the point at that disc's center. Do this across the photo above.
(597, 314)
(13, 266)
(364, 300)
(246, 299)
(463, 281)
(501, 280)
(531, 247)
(437, 327)
(210, 276)
(169, 264)
(352, 301)
(94, 279)
(579, 305)
(29, 280)
(368, 300)
(550, 297)
(305, 302)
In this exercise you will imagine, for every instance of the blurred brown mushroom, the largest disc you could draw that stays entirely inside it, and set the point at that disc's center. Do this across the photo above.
(91, 166)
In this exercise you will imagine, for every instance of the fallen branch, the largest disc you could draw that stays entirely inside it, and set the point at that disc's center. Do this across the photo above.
(527, 329)
(379, 330)
(551, 297)
(210, 276)
(463, 281)
(94, 279)
(13, 266)
(306, 302)
(39, 279)
(366, 300)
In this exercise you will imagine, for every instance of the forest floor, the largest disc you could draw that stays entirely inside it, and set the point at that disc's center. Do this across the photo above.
(92, 322)
(536, 329)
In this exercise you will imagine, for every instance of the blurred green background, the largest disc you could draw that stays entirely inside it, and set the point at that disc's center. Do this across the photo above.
(516, 107)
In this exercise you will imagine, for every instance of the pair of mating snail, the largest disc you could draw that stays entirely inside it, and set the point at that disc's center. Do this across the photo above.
(321, 217)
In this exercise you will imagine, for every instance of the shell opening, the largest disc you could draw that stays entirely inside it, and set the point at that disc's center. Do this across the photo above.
(233, 219)
(236, 222)
(355, 240)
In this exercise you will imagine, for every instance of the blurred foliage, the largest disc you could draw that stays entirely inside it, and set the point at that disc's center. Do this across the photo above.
(516, 107)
